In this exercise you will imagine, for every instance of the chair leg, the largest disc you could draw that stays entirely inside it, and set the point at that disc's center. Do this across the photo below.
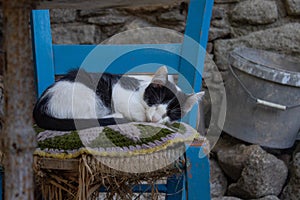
(175, 187)
(197, 174)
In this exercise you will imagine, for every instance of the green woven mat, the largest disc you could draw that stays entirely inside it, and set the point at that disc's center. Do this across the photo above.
(131, 139)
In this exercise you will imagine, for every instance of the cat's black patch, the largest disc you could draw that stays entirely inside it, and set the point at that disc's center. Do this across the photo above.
(80, 76)
(129, 83)
(156, 94)
(102, 83)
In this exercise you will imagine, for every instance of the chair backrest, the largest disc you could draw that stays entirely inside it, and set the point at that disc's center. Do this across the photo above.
(186, 58)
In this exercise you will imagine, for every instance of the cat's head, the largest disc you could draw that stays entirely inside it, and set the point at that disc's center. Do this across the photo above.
(165, 101)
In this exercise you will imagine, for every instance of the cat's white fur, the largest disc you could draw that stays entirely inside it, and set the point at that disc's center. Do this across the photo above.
(75, 100)
(129, 103)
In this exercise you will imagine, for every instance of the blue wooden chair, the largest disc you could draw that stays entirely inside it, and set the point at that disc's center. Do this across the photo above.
(51, 60)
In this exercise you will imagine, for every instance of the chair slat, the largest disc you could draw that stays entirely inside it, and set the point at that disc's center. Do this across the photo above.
(194, 50)
(144, 188)
(42, 49)
(108, 58)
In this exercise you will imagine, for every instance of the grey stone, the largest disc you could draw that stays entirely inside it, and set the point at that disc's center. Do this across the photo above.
(232, 159)
(218, 181)
(107, 20)
(209, 47)
(270, 197)
(293, 7)
(137, 23)
(149, 9)
(218, 13)
(215, 33)
(263, 175)
(171, 16)
(62, 15)
(226, 1)
(255, 12)
(285, 157)
(283, 39)
(145, 35)
(85, 13)
(292, 189)
(225, 141)
(111, 30)
(75, 34)
(220, 23)
(226, 198)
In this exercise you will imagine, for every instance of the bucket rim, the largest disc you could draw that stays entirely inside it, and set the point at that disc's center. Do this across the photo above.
(239, 59)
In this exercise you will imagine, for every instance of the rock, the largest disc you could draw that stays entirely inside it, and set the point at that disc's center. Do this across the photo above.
(225, 141)
(145, 35)
(218, 181)
(108, 31)
(107, 20)
(171, 17)
(292, 190)
(217, 13)
(209, 47)
(85, 13)
(286, 158)
(293, 7)
(226, 1)
(283, 39)
(137, 23)
(215, 33)
(232, 159)
(263, 175)
(75, 34)
(106, 17)
(220, 23)
(62, 15)
(226, 198)
(213, 100)
(270, 197)
(297, 144)
(255, 12)
(150, 8)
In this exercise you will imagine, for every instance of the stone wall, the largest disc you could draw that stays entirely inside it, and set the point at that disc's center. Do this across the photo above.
(94, 26)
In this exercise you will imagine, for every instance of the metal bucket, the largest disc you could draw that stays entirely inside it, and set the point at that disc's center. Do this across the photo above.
(263, 98)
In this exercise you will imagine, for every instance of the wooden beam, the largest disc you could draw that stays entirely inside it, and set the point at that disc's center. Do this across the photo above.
(59, 164)
(18, 138)
(98, 4)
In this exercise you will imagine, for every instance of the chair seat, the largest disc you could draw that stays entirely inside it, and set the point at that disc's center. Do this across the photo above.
(115, 157)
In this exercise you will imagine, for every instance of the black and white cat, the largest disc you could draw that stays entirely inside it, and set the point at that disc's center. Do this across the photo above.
(83, 100)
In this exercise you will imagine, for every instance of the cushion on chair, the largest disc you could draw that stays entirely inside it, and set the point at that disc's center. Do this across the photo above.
(106, 156)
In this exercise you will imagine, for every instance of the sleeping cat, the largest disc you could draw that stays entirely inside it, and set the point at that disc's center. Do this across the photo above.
(82, 100)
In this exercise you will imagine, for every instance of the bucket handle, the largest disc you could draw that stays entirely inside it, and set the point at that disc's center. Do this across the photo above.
(260, 101)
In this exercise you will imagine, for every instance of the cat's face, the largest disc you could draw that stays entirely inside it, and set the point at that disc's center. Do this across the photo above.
(165, 101)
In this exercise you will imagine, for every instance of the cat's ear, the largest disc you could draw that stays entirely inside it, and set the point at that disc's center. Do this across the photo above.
(161, 76)
(191, 100)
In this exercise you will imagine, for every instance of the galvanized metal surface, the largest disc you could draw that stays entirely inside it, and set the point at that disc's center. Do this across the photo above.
(266, 111)
(18, 137)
